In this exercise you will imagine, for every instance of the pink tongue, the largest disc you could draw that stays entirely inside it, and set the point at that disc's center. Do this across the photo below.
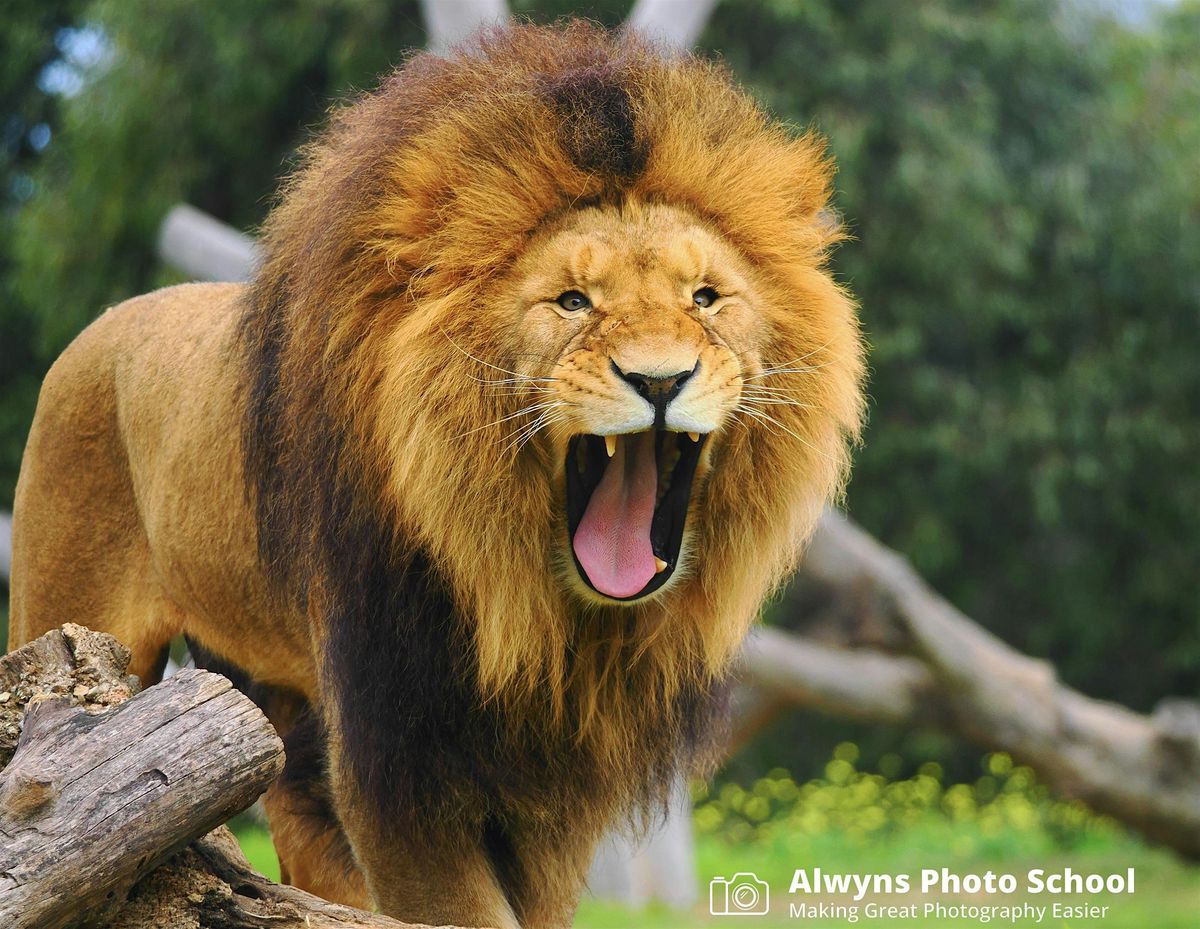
(612, 542)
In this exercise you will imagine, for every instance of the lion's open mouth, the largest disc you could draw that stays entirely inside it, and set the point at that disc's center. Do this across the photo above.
(627, 501)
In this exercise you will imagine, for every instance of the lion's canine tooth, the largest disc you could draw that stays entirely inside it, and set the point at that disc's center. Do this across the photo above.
(694, 436)
(610, 445)
(659, 566)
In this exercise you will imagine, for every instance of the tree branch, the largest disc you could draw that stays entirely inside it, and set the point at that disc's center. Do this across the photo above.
(5, 546)
(1142, 770)
(448, 22)
(678, 25)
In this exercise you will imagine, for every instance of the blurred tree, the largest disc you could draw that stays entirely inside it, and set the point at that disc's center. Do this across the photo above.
(29, 113)
(1022, 182)
(203, 102)
(1021, 179)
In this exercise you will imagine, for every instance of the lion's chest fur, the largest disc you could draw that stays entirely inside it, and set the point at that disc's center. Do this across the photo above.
(421, 738)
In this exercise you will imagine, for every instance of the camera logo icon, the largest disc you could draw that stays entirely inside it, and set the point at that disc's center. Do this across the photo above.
(741, 895)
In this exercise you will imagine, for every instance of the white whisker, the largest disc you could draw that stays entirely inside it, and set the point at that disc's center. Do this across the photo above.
(486, 364)
(521, 379)
(767, 418)
(772, 371)
(516, 435)
(765, 387)
(777, 401)
(788, 364)
(519, 388)
(525, 411)
(524, 434)
(756, 390)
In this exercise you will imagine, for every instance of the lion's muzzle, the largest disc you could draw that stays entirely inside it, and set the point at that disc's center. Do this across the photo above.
(657, 390)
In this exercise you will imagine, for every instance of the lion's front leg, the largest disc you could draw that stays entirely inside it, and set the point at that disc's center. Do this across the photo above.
(309, 840)
(544, 871)
(443, 876)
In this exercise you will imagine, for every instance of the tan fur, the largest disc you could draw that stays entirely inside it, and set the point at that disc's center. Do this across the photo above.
(415, 257)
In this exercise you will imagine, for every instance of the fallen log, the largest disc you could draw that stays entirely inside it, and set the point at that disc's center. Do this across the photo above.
(1143, 770)
(211, 884)
(101, 785)
(91, 801)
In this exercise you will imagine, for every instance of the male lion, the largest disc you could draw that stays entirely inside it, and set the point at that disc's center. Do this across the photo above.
(479, 485)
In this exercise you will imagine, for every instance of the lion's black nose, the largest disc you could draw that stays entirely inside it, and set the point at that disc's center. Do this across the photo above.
(657, 390)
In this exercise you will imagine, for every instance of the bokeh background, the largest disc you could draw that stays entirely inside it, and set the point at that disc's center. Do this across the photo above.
(1022, 182)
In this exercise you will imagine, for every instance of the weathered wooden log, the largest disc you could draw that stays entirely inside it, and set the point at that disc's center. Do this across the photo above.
(211, 884)
(84, 666)
(92, 801)
(99, 786)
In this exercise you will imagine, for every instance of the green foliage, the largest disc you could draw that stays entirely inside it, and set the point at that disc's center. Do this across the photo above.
(1022, 185)
(257, 845)
(1020, 180)
(1004, 813)
(198, 102)
(28, 44)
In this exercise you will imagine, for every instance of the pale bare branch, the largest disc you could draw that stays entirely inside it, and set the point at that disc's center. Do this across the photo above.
(448, 22)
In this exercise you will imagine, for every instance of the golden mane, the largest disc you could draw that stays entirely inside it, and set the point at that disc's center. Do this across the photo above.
(371, 314)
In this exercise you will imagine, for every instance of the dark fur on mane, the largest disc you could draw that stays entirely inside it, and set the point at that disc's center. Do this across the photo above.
(598, 129)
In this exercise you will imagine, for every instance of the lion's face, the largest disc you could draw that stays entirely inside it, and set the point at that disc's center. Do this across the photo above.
(641, 327)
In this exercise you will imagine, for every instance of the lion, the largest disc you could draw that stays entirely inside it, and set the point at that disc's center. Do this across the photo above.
(540, 387)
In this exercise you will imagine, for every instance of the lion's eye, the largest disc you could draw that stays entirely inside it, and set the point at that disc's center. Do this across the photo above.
(573, 301)
(705, 297)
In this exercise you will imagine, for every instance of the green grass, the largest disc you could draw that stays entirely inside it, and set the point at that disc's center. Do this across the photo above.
(857, 822)
(256, 846)
(1167, 895)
